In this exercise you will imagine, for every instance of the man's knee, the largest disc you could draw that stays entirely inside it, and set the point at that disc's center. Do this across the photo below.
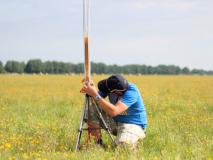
(128, 135)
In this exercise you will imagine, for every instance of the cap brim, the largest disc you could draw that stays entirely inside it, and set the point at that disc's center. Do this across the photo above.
(102, 86)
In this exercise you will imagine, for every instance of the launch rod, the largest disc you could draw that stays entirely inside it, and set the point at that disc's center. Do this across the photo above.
(86, 40)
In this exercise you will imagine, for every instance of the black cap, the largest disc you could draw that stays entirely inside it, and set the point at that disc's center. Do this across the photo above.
(113, 83)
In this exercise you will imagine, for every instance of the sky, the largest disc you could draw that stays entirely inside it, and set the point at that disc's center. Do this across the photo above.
(150, 32)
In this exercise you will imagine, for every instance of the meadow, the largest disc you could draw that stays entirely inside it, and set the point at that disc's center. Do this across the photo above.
(40, 114)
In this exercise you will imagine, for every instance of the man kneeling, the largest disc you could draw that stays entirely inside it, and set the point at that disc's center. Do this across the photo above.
(125, 106)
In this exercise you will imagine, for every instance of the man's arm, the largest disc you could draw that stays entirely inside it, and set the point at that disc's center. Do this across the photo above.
(112, 110)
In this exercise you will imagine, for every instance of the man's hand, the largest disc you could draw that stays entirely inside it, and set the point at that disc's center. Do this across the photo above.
(90, 89)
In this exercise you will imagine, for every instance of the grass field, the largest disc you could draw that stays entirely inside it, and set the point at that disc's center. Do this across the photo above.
(40, 114)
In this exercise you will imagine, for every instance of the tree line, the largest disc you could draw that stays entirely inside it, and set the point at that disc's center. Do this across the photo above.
(55, 67)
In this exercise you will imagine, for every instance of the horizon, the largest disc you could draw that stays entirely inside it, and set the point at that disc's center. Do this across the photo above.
(181, 67)
(149, 32)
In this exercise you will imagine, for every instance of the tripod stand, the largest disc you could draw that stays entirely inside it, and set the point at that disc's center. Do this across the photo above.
(87, 105)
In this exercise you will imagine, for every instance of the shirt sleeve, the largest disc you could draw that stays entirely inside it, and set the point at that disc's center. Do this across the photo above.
(129, 98)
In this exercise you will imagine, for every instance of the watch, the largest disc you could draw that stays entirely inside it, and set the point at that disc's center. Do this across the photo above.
(98, 97)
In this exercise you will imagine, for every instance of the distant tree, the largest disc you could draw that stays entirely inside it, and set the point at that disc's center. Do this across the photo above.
(98, 68)
(185, 70)
(134, 69)
(162, 69)
(79, 68)
(34, 66)
(172, 69)
(20, 68)
(144, 69)
(55, 67)
(151, 70)
(14, 67)
(198, 71)
(58, 67)
(126, 69)
(1, 67)
(68, 68)
(48, 67)
(72, 67)
(210, 72)
(61, 67)
(9, 66)
(114, 69)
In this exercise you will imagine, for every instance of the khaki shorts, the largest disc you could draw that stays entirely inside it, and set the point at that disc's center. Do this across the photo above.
(124, 132)
(129, 133)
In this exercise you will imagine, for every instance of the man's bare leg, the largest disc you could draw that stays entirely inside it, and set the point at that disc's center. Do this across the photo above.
(94, 131)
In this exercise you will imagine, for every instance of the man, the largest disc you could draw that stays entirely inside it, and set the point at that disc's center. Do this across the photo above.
(125, 106)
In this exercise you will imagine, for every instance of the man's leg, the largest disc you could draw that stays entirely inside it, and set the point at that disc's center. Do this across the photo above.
(95, 124)
(129, 134)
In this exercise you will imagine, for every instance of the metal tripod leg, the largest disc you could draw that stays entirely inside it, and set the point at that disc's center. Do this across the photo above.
(86, 103)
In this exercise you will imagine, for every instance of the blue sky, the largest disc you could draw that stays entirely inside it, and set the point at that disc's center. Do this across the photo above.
(122, 32)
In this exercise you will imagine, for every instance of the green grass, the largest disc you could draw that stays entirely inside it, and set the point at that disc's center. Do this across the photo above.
(40, 116)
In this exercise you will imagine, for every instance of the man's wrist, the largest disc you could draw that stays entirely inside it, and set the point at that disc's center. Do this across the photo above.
(97, 97)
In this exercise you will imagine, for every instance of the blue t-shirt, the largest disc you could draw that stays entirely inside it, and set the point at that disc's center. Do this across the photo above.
(136, 112)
